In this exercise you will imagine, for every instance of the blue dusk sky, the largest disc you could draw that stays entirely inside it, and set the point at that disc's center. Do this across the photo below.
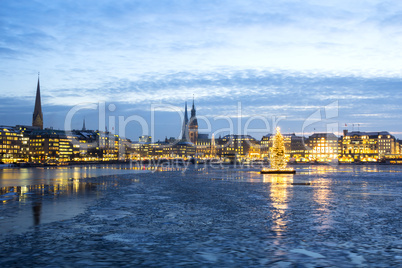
(307, 66)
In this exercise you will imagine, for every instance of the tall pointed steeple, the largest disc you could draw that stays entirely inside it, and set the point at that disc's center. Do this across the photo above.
(37, 118)
(193, 110)
(83, 125)
(193, 125)
(185, 124)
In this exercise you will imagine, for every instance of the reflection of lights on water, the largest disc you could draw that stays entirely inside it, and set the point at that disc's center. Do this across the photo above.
(24, 189)
(322, 196)
(61, 188)
(41, 202)
(346, 168)
(279, 194)
(278, 178)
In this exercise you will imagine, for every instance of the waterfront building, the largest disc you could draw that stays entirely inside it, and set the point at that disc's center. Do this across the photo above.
(163, 149)
(204, 146)
(322, 147)
(297, 147)
(97, 145)
(68, 151)
(37, 118)
(142, 150)
(183, 150)
(145, 138)
(26, 132)
(398, 146)
(54, 146)
(43, 147)
(386, 144)
(367, 146)
(12, 145)
(134, 150)
(86, 142)
(238, 146)
(108, 145)
(51, 146)
(124, 149)
(159, 149)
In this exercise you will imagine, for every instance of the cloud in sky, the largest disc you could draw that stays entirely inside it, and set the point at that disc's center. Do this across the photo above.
(276, 57)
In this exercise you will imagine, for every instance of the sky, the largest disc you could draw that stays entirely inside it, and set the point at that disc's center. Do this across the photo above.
(305, 66)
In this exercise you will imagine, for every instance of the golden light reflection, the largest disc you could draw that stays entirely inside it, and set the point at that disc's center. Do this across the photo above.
(322, 196)
(73, 187)
(319, 170)
(321, 193)
(280, 196)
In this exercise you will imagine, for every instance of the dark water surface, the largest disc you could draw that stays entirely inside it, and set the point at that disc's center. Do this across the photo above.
(324, 216)
(33, 196)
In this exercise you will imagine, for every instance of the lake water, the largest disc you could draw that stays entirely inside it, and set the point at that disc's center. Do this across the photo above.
(324, 216)
(31, 196)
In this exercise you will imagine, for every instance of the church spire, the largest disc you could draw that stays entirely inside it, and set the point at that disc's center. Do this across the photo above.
(193, 110)
(83, 125)
(185, 124)
(37, 118)
(193, 125)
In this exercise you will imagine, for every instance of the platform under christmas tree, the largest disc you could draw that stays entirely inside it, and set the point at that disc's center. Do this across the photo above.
(277, 157)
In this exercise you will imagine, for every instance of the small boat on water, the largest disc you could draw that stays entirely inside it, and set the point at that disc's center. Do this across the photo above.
(278, 171)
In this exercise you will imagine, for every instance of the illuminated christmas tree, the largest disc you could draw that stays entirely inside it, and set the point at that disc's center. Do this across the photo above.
(277, 156)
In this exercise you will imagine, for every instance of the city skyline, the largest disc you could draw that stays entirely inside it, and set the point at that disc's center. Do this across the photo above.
(285, 58)
(38, 145)
(189, 129)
